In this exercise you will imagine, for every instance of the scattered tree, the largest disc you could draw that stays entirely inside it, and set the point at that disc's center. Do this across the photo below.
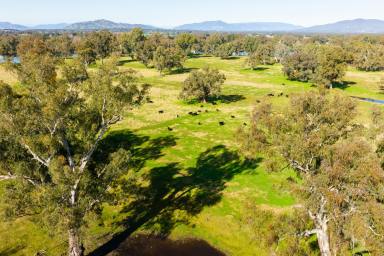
(168, 57)
(203, 84)
(186, 41)
(131, 42)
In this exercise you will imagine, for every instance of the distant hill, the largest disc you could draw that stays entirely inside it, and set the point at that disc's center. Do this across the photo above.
(105, 24)
(357, 26)
(50, 26)
(239, 27)
(10, 26)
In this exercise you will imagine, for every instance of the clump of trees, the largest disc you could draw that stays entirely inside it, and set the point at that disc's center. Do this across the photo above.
(369, 57)
(202, 85)
(186, 41)
(131, 42)
(324, 65)
(167, 57)
(341, 171)
(8, 45)
(300, 65)
(49, 135)
(264, 55)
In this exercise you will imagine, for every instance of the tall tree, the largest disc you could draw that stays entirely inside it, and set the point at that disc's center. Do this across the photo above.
(301, 64)
(61, 45)
(331, 66)
(8, 45)
(341, 175)
(203, 84)
(104, 43)
(85, 50)
(168, 57)
(264, 55)
(131, 42)
(49, 136)
(186, 41)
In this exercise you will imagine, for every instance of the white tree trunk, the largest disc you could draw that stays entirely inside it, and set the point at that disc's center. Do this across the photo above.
(320, 220)
(323, 240)
(75, 247)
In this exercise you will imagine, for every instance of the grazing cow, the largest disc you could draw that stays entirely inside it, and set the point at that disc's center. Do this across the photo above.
(233, 117)
(206, 111)
(271, 95)
(201, 106)
(258, 101)
(199, 111)
(281, 94)
(199, 123)
(177, 116)
(170, 129)
(245, 124)
(283, 84)
(287, 96)
(161, 111)
(214, 103)
(150, 101)
(221, 123)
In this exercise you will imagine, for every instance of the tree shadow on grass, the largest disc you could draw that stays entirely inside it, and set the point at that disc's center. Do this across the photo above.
(231, 58)
(11, 250)
(172, 194)
(123, 62)
(258, 69)
(181, 71)
(141, 148)
(225, 99)
(343, 85)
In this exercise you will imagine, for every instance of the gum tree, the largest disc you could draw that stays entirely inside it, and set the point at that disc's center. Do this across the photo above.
(341, 172)
(49, 134)
(203, 84)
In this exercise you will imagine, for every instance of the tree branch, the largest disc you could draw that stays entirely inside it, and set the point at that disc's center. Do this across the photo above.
(69, 155)
(41, 160)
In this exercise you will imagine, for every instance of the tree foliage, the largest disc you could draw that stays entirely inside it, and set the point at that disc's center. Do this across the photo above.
(49, 136)
(203, 84)
(341, 173)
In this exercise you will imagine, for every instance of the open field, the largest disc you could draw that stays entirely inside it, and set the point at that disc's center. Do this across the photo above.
(168, 146)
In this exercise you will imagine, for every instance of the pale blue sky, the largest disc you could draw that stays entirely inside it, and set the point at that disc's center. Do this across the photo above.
(169, 13)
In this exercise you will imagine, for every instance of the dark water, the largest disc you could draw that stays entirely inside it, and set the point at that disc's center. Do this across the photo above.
(14, 59)
(143, 245)
(370, 100)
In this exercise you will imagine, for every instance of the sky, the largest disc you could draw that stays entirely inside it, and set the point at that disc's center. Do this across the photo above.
(170, 13)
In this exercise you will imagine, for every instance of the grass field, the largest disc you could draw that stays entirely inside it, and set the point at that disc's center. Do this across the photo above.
(199, 147)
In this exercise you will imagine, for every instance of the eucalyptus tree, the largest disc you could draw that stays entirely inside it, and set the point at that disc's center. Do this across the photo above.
(186, 41)
(49, 135)
(104, 43)
(341, 172)
(167, 57)
(132, 41)
(203, 84)
(8, 45)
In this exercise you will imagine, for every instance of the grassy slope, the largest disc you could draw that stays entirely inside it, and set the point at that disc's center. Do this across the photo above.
(220, 224)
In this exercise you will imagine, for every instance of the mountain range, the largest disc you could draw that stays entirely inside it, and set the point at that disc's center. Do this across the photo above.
(239, 27)
(357, 26)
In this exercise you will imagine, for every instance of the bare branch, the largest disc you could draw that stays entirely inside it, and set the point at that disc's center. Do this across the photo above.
(41, 160)
(84, 161)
